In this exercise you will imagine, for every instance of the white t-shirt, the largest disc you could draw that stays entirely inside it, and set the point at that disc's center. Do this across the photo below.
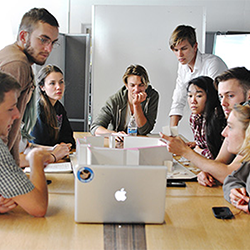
(205, 65)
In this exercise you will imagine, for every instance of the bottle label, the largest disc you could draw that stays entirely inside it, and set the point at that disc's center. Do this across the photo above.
(132, 131)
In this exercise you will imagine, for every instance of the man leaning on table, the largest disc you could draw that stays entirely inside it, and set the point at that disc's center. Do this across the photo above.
(15, 187)
(192, 63)
(233, 87)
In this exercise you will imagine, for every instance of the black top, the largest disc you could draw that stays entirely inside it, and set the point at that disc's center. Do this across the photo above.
(41, 129)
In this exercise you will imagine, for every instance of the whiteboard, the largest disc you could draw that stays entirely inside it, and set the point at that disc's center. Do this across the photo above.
(124, 35)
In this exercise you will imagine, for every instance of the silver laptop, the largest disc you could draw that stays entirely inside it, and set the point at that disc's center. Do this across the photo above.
(120, 194)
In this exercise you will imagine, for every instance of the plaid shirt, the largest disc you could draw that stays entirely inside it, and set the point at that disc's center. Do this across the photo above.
(13, 181)
(197, 123)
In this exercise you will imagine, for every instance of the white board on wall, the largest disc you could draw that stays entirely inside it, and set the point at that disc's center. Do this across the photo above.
(125, 35)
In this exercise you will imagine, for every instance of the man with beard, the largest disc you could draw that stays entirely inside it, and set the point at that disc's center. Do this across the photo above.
(37, 34)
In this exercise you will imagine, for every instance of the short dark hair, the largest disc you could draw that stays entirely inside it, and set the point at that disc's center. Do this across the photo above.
(181, 33)
(239, 73)
(7, 83)
(33, 16)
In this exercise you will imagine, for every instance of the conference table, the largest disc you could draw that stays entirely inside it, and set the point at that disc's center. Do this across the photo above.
(189, 224)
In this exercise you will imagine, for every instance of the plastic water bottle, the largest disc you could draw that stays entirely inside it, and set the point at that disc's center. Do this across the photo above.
(132, 127)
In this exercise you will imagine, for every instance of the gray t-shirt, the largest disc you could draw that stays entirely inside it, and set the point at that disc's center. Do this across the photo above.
(238, 179)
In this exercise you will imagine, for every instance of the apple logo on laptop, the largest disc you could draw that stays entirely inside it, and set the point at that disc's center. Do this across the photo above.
(120, 195)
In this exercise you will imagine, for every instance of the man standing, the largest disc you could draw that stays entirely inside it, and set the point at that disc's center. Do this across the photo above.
(192, 63)
(37, 34)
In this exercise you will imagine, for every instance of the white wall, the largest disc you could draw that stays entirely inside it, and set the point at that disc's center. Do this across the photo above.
(119, 41)
(222, 15)
(11, 13)
(232, 15)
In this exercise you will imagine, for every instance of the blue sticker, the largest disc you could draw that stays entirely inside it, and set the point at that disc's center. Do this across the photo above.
(85, 174)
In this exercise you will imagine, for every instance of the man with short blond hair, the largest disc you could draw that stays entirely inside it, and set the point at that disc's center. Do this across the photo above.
(192, 63)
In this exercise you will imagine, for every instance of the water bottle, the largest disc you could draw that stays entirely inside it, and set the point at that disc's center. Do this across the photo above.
(132, 127)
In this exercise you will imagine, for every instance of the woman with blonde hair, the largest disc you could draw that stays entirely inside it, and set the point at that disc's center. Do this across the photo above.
(237, 185)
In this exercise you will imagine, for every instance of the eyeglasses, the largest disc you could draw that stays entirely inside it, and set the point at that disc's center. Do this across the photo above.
(47, 41)
(245, 103)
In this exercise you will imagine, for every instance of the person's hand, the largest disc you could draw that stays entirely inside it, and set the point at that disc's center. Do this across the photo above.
(237, 194)
(198, 150)
(120, 138)
(139, 98)
(6, 204)
(23, 162)
(61, 150)
(239, 199)
(40, 154)
(191, 144)
(205, 179)
(175, 145)
(243, 204)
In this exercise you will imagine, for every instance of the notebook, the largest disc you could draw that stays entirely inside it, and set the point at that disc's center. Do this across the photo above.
(120, 194)
(60, 167)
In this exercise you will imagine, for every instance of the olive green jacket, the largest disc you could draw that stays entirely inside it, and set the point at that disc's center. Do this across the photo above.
(113, 114)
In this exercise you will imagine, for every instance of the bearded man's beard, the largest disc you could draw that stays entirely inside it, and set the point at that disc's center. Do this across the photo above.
(29, 52)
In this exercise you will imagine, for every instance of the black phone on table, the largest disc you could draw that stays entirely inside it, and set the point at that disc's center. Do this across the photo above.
(222, 213)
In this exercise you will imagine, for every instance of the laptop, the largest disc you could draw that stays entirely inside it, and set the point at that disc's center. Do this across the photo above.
(120, 194)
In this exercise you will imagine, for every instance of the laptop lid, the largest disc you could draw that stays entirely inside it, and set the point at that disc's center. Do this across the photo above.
(120, 194)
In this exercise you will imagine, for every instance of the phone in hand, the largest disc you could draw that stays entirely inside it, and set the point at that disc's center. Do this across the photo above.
(222, 213)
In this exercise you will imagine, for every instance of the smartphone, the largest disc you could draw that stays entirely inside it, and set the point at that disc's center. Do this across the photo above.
(176, 184)
(222, 213)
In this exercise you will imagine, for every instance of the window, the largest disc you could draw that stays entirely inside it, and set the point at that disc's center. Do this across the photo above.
(233, 49)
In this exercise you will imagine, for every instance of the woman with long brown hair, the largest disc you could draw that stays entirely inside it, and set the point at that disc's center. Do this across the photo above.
(52, 125)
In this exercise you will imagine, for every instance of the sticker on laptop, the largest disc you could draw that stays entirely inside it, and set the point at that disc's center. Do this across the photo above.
(85, 174)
